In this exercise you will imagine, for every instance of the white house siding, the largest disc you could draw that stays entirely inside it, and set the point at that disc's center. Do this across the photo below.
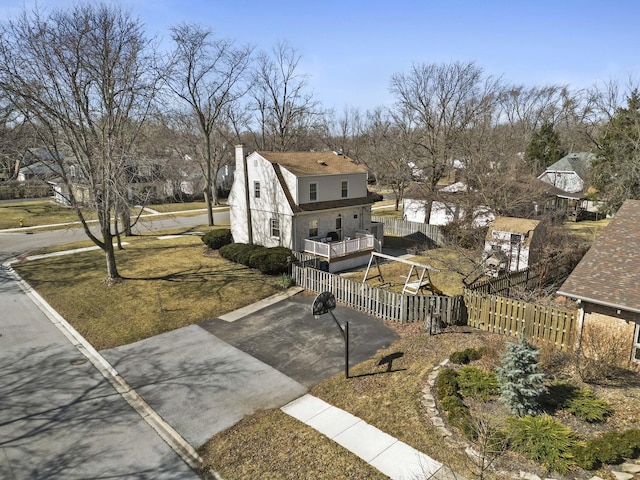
(441, 213)
(329, 187)
(272, 203)
(567, 181)
(413, 210)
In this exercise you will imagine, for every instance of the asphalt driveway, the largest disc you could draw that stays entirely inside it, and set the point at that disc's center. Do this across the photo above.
(204, 378)
(287, 337)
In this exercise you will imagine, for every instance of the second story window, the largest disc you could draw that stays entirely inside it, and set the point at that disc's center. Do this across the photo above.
(344, 189)
(256, 189)
(313, 192)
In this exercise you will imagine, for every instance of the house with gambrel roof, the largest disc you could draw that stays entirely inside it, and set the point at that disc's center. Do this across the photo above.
(314, 202)
(606, 282)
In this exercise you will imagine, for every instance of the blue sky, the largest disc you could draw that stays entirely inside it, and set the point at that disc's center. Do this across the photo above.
(351, 49)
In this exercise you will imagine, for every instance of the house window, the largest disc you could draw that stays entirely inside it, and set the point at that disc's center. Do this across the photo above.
(344, 189)
(313, 192)
(339, 226)
(256, 189)
(275, 227)
(313, 228)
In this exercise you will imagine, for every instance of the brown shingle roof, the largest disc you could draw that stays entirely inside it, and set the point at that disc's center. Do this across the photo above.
(313, 163)
(609, 274)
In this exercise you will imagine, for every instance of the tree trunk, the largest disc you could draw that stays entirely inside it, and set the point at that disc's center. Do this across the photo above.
(112, 270)
(207, 198)
(126, 222)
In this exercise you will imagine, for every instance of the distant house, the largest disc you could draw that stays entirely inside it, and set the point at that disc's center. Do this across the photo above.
(414, 207)
(314, 202)
(570, 174)
(512, 244)
(606, 281)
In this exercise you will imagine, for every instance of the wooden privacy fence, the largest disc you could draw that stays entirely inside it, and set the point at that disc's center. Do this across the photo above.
(379, 302)
(394, 227)
(508, 316)
(536, 276)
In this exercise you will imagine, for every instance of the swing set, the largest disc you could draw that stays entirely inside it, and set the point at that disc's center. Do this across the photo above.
(416, 281)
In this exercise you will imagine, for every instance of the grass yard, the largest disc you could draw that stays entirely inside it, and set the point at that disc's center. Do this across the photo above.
(178, 207)
(588, 229)
(38, 212)
(170, 284)
(446, 264)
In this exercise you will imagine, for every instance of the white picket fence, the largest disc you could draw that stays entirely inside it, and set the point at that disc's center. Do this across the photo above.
(379, 302)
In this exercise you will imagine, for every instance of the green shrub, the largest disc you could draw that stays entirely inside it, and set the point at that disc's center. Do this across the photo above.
(543, 440)
(284, 281)
(611, 449)
(235, 252)
(447, 384)
(558, 395)
(462, 357)
(585, 405)
(584, 457)
(478, 384)
(632, 437)
(217, 238)
(271, 261)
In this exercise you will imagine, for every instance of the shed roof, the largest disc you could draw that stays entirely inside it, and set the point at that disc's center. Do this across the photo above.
(609, 273)
(513, 225)
(313, 163)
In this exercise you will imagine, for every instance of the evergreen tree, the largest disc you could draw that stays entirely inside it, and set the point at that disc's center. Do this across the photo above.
(616, 169)
(545, 148)
(521, 384)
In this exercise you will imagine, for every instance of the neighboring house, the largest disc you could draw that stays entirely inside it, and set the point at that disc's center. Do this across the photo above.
(314, 202)
(41, 170)
(192, 183)
(414, 207)
(570, 174)
(606, 282)
(512, 244)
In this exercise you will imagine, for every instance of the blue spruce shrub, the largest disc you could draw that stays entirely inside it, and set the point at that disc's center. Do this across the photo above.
(521, 384)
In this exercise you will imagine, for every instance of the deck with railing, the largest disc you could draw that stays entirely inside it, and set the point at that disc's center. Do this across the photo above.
(332, 250)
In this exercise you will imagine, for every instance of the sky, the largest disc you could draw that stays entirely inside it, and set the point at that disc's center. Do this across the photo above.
(351, 48)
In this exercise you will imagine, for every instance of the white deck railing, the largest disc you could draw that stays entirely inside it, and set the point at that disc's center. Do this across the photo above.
(342, 248)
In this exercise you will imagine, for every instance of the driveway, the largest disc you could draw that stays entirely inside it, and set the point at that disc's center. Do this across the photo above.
(205, 378)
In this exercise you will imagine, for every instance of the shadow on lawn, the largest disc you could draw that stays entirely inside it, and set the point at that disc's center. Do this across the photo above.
(200, 274)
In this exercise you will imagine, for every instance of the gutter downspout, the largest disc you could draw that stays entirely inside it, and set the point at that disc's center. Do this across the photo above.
(247, 198)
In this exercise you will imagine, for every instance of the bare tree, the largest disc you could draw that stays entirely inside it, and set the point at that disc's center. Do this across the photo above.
(436, 104)
(208, 75)
(386, 154)
(286, 111)
(84, 77)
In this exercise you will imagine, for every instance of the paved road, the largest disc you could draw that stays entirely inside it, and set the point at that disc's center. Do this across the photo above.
(59, 417)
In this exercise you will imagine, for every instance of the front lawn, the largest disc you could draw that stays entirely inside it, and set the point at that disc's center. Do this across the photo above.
(37, 212)
(169, 284)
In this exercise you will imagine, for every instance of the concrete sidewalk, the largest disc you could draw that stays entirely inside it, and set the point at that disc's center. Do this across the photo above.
(387, 454)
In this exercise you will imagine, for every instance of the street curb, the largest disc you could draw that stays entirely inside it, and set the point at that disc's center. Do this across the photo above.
(259, 305)
(177, 443)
